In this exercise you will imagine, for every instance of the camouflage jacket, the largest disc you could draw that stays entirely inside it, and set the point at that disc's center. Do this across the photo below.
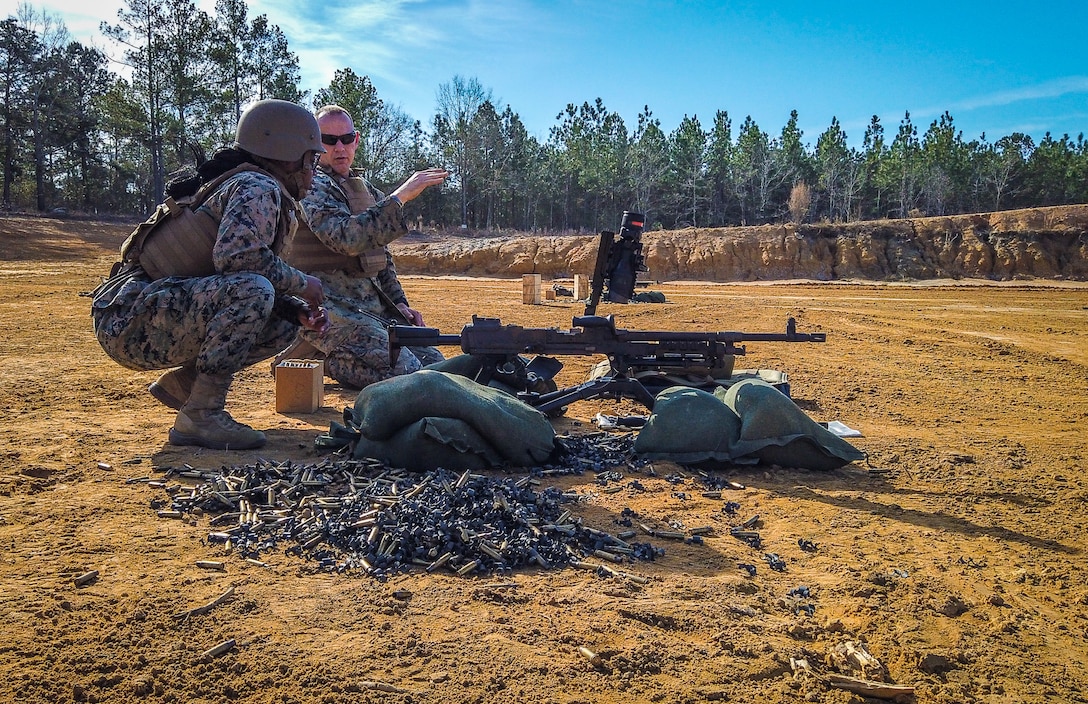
(247, 207)
(329, 215)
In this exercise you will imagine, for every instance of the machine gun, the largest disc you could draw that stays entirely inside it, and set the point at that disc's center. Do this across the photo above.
(500, 347)
(618, 263)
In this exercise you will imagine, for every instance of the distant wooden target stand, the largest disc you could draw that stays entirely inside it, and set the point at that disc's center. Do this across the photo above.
(532, 291)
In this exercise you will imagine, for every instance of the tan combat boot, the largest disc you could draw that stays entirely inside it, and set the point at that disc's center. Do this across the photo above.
(202, 420)
(172, 389)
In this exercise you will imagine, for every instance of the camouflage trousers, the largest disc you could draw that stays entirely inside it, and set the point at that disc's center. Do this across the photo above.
(220, 324)
(357, 352)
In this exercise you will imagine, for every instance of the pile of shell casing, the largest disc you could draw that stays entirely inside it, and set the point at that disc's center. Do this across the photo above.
(360, 516)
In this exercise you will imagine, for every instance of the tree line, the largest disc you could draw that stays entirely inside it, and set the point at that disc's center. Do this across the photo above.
(81, 137)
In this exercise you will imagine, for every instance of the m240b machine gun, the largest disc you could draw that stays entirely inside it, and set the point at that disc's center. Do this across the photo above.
(500, 348)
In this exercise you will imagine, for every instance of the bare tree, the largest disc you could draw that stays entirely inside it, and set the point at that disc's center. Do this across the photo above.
(140, 31)
(458, 102)
(800, 201)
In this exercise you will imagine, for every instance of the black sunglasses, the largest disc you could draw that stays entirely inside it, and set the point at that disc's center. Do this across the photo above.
(331, 139)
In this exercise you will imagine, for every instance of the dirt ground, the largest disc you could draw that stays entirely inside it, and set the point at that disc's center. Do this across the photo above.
(955, 557)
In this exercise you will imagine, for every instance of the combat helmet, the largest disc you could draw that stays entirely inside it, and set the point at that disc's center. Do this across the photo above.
(278, 129)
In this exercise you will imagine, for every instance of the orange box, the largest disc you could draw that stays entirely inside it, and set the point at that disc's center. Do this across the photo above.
(300, 385)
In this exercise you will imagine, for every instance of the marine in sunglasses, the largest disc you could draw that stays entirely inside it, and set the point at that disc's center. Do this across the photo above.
(343, 242)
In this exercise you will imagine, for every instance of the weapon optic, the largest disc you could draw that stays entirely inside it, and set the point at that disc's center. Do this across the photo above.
(500, 348)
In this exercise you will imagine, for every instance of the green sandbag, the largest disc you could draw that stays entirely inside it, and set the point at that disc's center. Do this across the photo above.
(522, 435)
(506, 375)
(775, 431)
(688, 426)
(470, 366)
(467, 365)
(430, 443)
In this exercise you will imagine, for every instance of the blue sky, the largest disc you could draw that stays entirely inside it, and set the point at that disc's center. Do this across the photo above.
(997, 67)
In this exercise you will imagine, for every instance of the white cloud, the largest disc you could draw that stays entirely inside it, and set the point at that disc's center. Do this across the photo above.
(406, 47)
(1055, 88)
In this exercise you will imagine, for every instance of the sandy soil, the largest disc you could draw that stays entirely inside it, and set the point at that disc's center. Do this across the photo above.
(955, 557)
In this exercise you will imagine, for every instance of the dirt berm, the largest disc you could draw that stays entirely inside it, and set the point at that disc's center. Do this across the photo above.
(1046, 243)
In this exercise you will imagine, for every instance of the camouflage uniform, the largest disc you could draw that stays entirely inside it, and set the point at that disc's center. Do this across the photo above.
(356, 346)
(220, 323)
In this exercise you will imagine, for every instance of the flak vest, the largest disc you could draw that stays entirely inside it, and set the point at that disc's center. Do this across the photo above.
(178, 238)
(306, 252)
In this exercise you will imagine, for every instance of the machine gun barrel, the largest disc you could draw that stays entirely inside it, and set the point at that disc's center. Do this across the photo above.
(416, 336)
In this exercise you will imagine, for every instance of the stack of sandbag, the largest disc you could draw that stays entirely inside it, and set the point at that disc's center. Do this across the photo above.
(431, 419)
(749, 422)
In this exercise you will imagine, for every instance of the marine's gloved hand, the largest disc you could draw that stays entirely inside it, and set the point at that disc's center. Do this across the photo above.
(300, 311)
